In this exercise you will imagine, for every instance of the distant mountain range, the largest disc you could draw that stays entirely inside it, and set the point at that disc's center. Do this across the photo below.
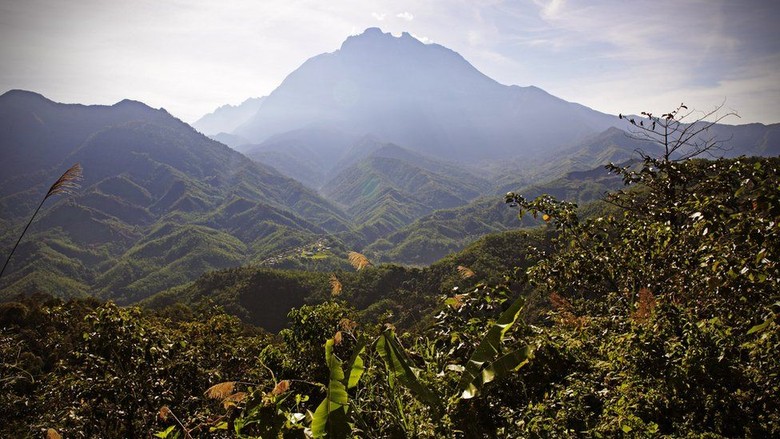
(424, 97)
(428, 99)
(391, 129)
(228, 117)
(159, 204)
(387, 146)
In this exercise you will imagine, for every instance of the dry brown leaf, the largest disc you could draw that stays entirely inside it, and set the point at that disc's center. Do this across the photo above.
(233, 400)
(282, 387)
(164, 413)
(645, 306)
(565, 311)
(347, 325)
(221, 390)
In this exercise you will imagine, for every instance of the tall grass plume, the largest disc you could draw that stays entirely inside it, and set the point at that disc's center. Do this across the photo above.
(465, 272)
(358, 260)
(66, 184)
(335, 285)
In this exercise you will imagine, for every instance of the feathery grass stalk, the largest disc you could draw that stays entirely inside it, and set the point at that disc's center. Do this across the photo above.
(335, 285)
(66, 184)
(465, 272)
(358, 260)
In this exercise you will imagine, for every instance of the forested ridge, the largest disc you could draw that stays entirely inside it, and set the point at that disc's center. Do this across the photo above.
(160, 204)
(652, 313)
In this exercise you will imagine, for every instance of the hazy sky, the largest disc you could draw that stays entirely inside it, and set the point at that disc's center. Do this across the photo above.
(192, 56)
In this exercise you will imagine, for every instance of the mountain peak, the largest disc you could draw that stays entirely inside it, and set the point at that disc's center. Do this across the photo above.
(227, 117)
(374, 36)
(130, 103)
(373, 31)
(425, 97)
(17, 95)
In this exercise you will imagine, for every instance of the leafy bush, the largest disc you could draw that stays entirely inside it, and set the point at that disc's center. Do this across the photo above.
(656, 317)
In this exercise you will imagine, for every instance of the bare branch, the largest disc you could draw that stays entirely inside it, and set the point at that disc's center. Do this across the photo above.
(680, 140)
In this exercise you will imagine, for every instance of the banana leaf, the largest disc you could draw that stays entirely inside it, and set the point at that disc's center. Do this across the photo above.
(483, 366)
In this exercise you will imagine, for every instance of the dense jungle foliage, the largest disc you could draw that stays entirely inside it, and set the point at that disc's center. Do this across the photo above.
(653, 316)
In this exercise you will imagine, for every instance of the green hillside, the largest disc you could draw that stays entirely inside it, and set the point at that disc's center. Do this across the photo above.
(391, 187)
(159, 203)
(658, 319)
(263, 296)
(445, 231)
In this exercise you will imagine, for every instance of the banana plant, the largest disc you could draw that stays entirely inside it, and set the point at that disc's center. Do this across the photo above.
(397, 365)
(330, 418)
(487, 363)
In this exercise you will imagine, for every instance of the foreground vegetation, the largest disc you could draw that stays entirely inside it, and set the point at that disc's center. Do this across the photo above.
(656, 316)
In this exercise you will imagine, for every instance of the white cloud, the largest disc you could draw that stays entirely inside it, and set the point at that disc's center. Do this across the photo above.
(405, 16)
(551, 8)
(378, 16)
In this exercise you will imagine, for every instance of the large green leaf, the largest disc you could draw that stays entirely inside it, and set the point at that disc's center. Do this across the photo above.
(329, 421)
(356, 366)
(497, 369)
(479, 369)
(168, 432)
(329, 418)
(397, 364)
(333, 362)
